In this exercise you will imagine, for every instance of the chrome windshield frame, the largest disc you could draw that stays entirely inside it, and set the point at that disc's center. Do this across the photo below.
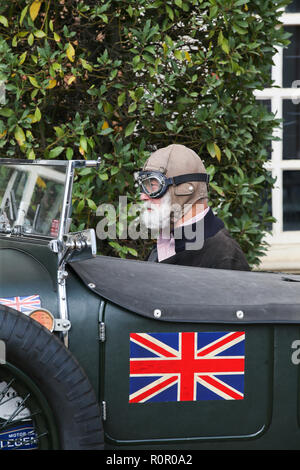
(70, 166)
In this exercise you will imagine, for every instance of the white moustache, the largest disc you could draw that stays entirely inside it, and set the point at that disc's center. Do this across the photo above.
(148, 205)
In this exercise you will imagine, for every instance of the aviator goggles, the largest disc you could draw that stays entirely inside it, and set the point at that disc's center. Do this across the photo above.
(155, 183)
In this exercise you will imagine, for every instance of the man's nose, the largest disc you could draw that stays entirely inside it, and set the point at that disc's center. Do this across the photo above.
(144, 197)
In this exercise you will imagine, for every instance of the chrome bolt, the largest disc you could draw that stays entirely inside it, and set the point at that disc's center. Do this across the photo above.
(240, 314)
(157, 313)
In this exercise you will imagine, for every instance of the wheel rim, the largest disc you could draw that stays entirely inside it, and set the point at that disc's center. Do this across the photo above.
(26, 419)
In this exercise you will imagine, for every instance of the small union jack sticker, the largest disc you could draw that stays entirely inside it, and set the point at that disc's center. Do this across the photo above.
(186, 366)
(23, 304)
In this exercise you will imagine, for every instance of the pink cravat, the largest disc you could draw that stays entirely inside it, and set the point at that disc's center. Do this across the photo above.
(166, 245)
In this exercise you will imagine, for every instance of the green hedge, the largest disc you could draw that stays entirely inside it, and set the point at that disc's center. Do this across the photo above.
(118, 79)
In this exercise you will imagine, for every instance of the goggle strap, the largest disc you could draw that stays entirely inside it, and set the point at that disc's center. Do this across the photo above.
(203, 177)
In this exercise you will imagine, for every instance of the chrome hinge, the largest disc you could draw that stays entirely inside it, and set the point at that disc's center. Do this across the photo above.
(102, 332)
(104, 410)
(61, 325)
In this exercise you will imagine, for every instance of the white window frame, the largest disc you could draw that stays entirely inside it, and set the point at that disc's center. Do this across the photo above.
(277, 165)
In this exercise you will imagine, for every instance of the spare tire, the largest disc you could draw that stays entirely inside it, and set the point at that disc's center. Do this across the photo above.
(46, 399)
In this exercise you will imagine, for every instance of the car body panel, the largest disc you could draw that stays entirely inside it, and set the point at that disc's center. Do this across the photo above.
(28, 269)
(184, 420)
(84, 307)
(267, 417)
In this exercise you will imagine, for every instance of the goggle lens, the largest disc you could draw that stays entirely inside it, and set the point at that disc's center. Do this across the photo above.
(151, 183)
(151, 186)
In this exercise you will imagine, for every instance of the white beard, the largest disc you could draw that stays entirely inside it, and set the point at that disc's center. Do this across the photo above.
(159, 217)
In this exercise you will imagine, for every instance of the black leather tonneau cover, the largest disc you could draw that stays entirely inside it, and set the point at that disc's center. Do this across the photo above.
(188, 294)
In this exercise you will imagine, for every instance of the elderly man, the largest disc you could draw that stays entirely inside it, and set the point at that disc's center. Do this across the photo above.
(174, 191)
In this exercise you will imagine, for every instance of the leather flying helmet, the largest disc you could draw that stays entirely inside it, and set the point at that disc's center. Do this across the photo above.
(178, 169)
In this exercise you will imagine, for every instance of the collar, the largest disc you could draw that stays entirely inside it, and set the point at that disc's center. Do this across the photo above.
(212, 225)
(196, 218)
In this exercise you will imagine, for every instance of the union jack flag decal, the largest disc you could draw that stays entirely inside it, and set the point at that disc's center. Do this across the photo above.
(23, 304)
(186, 366)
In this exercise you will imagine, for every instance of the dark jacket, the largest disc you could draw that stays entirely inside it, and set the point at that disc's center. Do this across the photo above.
(219, 250)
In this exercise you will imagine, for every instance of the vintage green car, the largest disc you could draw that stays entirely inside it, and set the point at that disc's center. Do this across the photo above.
(99, 352)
